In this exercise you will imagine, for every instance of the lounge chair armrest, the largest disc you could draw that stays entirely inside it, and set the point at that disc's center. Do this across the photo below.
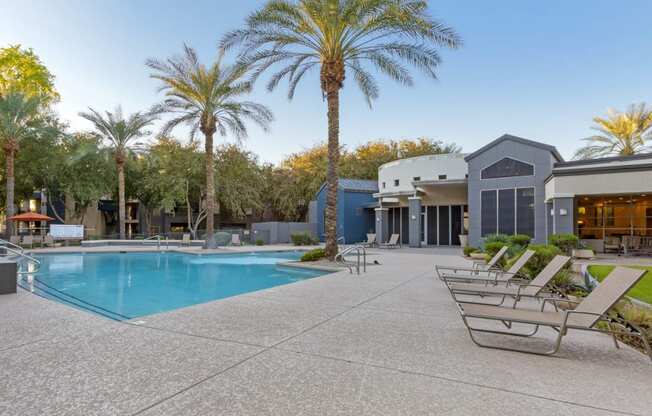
(554, 301)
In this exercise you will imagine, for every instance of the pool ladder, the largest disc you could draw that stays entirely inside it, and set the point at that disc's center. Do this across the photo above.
(158, 241)
(361, 252)
(15, 250)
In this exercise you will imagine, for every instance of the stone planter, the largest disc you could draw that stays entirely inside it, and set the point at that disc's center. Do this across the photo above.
(583, 254)
(477, 256)
(464, 240)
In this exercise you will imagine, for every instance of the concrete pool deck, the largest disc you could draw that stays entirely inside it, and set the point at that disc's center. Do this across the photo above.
(386, 342)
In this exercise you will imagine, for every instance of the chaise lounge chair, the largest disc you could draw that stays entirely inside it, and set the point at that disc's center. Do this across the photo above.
(594, 309)
(235, 240)
(533, 289)
(371, 240)
(479, 270)
(185, 239)
(392, 243)
(28, 240)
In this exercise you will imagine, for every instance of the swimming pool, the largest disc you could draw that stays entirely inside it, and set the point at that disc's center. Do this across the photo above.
(129, 285)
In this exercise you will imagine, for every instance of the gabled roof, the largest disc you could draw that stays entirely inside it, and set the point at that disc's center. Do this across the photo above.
(355, 185)
(509, 137)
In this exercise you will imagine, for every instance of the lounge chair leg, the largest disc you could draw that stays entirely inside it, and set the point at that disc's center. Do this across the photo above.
(553, 351)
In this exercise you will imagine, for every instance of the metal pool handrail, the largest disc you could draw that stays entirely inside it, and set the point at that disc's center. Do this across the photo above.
(22, 255)
(158, 241)
(360, 250)
(10, 244)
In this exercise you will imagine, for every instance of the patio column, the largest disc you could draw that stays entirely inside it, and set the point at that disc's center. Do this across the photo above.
(563, 211)
(382, 224)
(414, 213)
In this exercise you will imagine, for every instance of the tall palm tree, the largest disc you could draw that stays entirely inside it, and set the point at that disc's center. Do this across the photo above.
(622, 134)
(337, 36)
(208, 99)
(20, 119)
(121, 133)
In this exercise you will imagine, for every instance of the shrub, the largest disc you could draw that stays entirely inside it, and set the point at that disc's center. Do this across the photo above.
(543, 254)
(468, 250)
(496, 238)
(302, 239)
(492, 248)
(520, 240)
(566, 242)
(314, 255)
(260, 242)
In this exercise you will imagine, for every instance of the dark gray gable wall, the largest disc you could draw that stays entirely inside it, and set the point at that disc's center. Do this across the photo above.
(540, 155)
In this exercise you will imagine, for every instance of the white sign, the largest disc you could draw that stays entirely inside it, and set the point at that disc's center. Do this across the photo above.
(63, 231)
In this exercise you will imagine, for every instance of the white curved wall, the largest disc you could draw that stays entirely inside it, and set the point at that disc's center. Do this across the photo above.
(425, 167)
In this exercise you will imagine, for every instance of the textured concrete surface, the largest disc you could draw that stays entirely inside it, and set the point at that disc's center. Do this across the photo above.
(388, 342)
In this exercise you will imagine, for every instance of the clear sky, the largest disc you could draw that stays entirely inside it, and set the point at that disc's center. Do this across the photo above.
(537, 69)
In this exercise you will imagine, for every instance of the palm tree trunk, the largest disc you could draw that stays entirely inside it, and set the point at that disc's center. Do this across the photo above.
(121, 200)
(333, 98)
(10, 154)
(210, 191)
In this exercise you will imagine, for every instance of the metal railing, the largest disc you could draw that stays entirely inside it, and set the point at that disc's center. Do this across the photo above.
(361, 251)
(7, 244)
(158, 241)
(22, 255)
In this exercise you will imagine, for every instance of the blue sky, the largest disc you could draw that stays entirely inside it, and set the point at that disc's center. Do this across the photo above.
(537, 69)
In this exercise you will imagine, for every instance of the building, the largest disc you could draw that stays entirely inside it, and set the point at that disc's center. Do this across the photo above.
(510, 186)
(601, 199)
(355, 203)
(424, 199)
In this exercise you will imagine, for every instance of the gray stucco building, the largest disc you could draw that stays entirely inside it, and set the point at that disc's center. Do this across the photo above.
(506, 188)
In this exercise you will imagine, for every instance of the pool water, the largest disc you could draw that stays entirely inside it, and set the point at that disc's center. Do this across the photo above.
(129, 285)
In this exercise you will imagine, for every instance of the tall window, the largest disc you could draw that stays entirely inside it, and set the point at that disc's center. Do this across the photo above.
(488, 212)
(525, 211)
(507, 211)
(507, 167)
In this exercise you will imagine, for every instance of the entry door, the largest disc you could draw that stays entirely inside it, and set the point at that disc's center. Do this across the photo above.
(424, 226)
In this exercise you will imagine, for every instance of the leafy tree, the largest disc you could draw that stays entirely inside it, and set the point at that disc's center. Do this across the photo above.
(337, 36)
(21, 70)
(120, 133)
(20, 120)
(619, 134)
(239, 181)
(209, 99)
(79, 171)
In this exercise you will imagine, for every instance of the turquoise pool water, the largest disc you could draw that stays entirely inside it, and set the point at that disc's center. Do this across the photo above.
(129, 285)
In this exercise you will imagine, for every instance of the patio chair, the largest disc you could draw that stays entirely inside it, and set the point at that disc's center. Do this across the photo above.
(392, 243)
(531, 289)
(479, 269)
(185, 239)
(14, 239)
(28, 240)
(235, 240)
(611, 243)
(48, 241)
(591, 311)
(371, 240)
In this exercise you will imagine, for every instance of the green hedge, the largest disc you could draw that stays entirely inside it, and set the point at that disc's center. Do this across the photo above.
(314, 255)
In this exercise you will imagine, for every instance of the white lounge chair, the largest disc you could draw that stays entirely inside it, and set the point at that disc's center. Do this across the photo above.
(28, 240)
(235, 240)
(371, 240)
(392, 243)
(467, 273)
(185, 240)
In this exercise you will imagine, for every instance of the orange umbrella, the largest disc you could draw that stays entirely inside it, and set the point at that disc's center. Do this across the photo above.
(31, 216)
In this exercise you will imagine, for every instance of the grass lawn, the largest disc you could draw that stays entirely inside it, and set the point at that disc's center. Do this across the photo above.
(642, 291)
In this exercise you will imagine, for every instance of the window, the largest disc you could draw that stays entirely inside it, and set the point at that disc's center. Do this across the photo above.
(488, 212)
(416, 178)
(506, 168)
(525, 211)
(396, 182)
(383, 185)
(507, 211)
(442, 177)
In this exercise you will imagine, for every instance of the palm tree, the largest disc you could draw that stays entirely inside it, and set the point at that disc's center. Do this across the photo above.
(20, 119)
(337, 36)
(208, 99)
(120, 132)
(622, 134)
